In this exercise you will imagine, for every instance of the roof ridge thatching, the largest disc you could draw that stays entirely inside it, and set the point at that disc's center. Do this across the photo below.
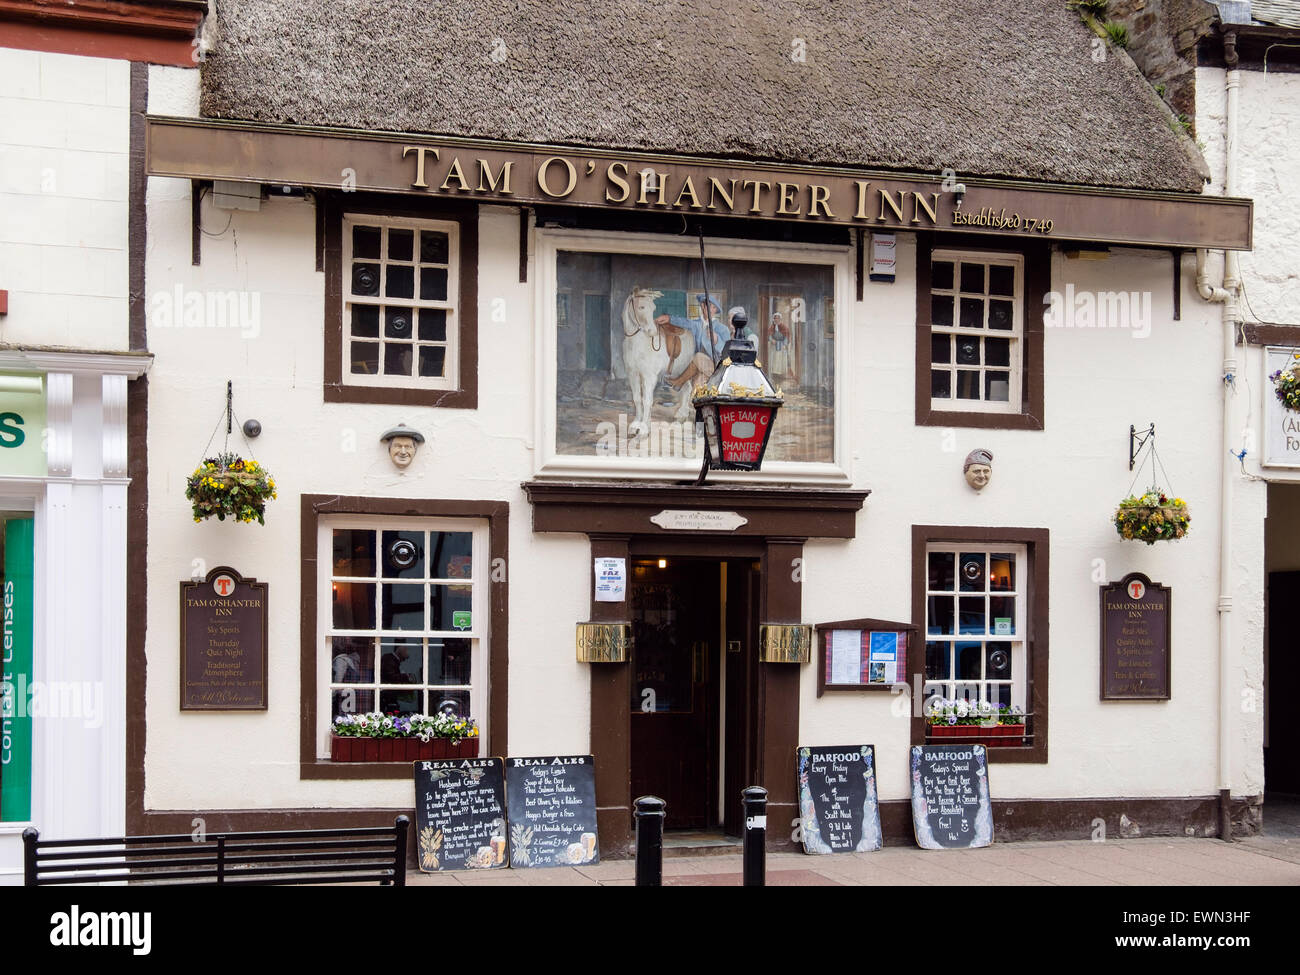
(920, 87)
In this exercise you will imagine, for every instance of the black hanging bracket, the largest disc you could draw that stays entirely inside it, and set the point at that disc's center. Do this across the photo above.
(1137, 441)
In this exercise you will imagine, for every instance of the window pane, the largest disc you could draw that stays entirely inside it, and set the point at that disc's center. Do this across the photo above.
(941, 310)
(940, 383)
(403, 607)
(968, 384)
(433, 325)
(1002, 572)
(354, 606)
(451, 555)
(972, 615)
(940, 348)
(941, 275)
(403, 555)
(433, 360)
(1002, 615)
(354, 552)
(941, 572)
(365, 358)
(997, 386)
(400, 660)
(970, 660)
(968, 351)
(1002, 280)
(401, 244)
(351, 701)
(972, 571)
(365, 279)
(940, 616)
(1001, 315)
(397, 359)
(365, 242)
(365, 321)
(433, 247)
(433, 283)
(937, 663)
(1000, 694)
(401, 282)
(354, 660)
(449, 608)
(401, 702)
(972, 313)
(998, 660)
(455, 701)
(997, 352)
(449, 660)
(397, 323)
(972, 277)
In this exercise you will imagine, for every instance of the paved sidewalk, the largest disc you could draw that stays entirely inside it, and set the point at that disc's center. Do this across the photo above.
(1259, 861)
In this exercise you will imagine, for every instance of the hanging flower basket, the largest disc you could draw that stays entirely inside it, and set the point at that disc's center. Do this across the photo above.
(1152, 517)
(228, 485)
(1286, 384)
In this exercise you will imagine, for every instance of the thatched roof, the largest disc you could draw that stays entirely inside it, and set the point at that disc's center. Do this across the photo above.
(1019, 90)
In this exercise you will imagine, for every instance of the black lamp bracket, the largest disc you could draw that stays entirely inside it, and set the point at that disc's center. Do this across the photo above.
(1136, 441)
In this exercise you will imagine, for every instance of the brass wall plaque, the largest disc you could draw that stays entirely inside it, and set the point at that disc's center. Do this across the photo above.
(223, 643)
(785, 643)
(604, 643)
(1135, 624)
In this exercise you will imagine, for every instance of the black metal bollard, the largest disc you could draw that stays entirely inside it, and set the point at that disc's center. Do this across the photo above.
(650, 812)
(755, 802)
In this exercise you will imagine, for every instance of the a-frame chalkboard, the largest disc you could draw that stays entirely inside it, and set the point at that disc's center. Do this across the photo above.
(950, 797)
(838, 811)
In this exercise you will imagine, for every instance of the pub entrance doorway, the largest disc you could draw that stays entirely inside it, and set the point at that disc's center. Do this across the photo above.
(694, 677)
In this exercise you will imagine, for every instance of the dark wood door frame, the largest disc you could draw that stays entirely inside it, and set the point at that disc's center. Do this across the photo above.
(774, 721)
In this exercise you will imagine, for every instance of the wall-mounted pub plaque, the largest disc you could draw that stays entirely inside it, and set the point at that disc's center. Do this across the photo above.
(785, 643)
(1135, 640)
(223, 643)
(603, 643)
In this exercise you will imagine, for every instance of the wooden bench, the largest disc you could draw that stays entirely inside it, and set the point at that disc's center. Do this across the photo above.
(312, 856)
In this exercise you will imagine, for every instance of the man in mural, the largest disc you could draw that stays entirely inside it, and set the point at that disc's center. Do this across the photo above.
(702, 365)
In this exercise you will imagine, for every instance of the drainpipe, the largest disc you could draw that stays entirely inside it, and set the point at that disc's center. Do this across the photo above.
(1226, 297)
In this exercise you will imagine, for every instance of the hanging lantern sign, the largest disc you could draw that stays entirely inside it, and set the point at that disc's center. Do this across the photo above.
(738, 408)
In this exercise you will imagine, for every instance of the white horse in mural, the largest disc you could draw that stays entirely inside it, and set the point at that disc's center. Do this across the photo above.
(651, 351)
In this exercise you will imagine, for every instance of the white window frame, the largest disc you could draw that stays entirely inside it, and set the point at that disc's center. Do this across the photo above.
(451, 362)
(1016, 334)
(480, 608)
(1018, 642)
(549, 242)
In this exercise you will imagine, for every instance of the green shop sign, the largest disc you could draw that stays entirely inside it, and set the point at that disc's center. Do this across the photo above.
(15, 714)
(22, 425)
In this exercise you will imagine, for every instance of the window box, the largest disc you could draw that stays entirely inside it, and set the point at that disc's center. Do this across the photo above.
(400, 303)
(1002, 735)
(399, 749)
(979, 325)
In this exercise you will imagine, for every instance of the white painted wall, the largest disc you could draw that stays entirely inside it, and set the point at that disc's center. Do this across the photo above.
(64, 137)
(1268, 155)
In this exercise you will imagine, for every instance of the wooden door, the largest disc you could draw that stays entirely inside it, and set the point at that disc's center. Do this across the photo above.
(675, 633)
(1282, 753)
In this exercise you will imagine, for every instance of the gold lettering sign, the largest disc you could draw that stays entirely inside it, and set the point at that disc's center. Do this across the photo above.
(524, 174)
(603, 643)
(785, 643)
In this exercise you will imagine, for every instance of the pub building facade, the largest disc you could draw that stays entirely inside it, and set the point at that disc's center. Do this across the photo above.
(486, 243)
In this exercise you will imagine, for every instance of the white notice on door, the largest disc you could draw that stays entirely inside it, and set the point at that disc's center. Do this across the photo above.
(611, 580)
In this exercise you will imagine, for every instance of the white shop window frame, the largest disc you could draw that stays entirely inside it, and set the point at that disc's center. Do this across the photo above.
(550, 463)
(479, 631)
(450, 380)
(1016, 335)
(1018, 642)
